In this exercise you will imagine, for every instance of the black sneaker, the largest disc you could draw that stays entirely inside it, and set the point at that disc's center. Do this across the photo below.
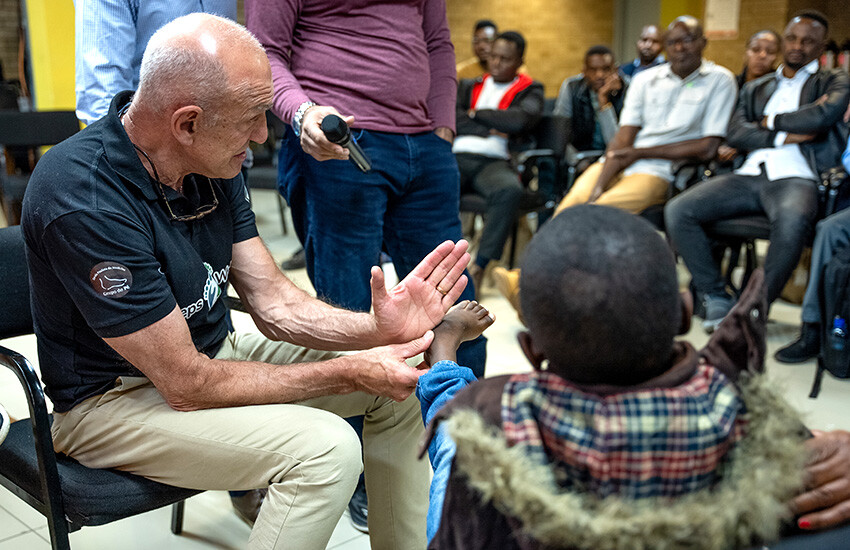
(297, 261)
(358, 508)
(805, 347)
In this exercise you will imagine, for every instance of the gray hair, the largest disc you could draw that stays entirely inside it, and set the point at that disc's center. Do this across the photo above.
(182, 63)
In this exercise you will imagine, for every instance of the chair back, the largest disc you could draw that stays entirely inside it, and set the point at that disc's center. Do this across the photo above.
(16, 316)
(552, 132)
(36, 128)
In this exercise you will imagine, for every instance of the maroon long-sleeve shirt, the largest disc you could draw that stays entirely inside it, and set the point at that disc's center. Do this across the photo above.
(391, 64)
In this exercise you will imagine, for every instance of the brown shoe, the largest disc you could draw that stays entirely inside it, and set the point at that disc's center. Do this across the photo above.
(247, 507)
(507, 282)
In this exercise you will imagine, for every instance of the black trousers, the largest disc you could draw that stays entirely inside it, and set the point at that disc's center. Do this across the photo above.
(496, 181)
(790, 204)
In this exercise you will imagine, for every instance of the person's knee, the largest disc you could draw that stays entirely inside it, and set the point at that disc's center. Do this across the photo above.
(676, 213)
(335, 455)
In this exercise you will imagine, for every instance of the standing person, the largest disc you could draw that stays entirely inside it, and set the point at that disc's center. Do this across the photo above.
(790, 125)
(649, 48)
(109, 41)
(110, 38)
(482, 42)
(389, 70)
(130, 252)
(495, 117)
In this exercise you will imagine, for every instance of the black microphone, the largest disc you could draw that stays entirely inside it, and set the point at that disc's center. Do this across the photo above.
(337, 131)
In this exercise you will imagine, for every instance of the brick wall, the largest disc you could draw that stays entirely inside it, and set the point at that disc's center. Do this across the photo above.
(9, 21)
(557, 32)
(756, 15)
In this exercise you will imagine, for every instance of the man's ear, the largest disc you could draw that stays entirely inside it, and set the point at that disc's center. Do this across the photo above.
(534, 357)
(686, 303)
(184, 123)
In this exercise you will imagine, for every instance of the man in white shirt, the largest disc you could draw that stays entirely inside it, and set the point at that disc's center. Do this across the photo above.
(676, 111)
(495, 114)
(791, 124)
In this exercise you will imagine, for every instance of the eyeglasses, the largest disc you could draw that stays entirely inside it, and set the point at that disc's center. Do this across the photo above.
(199, 213)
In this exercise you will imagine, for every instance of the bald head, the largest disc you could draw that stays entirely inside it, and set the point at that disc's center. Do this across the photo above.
(197, 59)
(690, 24)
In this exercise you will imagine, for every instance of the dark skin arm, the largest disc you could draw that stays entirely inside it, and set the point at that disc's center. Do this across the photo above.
(619, 158)
(826, 501)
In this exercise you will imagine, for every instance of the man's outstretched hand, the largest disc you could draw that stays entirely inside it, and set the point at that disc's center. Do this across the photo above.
(421, 299)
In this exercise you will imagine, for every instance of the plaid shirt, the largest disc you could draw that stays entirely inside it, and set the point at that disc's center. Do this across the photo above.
(658, 442)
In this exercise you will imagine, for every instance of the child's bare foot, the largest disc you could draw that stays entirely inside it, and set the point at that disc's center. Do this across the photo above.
(464, 321)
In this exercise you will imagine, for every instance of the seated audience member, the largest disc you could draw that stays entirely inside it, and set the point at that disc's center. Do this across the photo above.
(130, 252)
(579, 452)
(482, 41)
(832, 234)
(495, 114)
(760, 56)
(649, 47)
(593, 100)
(676, 111)
(789, 123)
(759, 59)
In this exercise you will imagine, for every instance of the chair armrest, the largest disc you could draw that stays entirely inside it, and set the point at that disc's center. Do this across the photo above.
(234, 304)
(687, 173)
(522, 159)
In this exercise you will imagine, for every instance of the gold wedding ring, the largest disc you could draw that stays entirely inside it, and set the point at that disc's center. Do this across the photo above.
(441, 291)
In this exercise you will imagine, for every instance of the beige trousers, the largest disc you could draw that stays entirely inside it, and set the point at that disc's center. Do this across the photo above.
(305, 453)
(634, 193)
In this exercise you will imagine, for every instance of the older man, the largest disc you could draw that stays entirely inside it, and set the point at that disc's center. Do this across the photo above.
(134, 227)
(790, 124)
(675, 111)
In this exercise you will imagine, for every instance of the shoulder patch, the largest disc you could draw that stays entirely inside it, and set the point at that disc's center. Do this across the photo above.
(111, 279)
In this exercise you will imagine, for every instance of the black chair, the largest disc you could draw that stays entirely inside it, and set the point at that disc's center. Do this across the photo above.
(21, 134)
(263, 174)
(67, 493)
(550, 138)
(740, 234)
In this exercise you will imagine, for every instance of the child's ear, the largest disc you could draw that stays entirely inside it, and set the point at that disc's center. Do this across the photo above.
(686, 302)
(527, 344)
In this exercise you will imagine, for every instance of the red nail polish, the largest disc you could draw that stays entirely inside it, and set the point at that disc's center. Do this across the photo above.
(803, 524)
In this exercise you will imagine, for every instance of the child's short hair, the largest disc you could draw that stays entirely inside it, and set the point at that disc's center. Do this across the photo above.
(600, 296)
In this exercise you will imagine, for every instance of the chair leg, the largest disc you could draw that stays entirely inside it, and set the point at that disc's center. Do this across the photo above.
(58, 530)
(512, 253)
(177, 517)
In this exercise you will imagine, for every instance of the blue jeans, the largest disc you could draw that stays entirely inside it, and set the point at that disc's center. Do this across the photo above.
(832, 235)
(407, 203)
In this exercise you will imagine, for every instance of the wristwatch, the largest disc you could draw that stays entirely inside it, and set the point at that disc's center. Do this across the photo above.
(299, 114)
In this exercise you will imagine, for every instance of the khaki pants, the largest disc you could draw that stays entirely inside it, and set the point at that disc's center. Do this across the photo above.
(634, 193)
(305, 453)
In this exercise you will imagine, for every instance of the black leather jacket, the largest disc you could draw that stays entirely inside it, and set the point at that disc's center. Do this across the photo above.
(823, 118)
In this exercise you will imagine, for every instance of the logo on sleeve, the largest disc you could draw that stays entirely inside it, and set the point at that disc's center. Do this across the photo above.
(111, 279)
(211, 289)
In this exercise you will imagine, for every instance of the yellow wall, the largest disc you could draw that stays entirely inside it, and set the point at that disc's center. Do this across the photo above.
(51, 41)
(557, 32)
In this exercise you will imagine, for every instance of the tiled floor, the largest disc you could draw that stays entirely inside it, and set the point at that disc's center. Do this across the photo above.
(209, 522)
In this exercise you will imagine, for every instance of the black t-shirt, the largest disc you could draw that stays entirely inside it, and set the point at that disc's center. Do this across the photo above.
(106, 259)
